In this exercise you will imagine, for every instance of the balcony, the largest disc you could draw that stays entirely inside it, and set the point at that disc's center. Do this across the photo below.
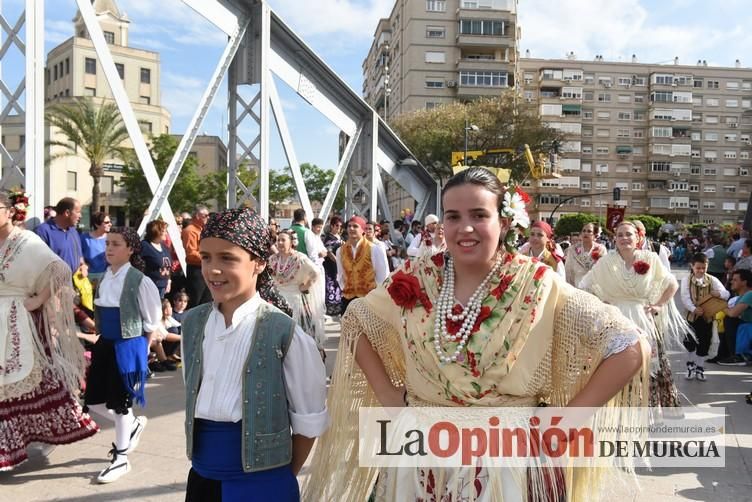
(483, 64)
(660, 175)
(485, 41)
(472, 91)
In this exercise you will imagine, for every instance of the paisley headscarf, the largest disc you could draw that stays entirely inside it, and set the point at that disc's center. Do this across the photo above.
(132, 240)
(245, 228)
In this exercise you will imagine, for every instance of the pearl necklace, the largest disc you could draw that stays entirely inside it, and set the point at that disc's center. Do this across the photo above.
(468, 316)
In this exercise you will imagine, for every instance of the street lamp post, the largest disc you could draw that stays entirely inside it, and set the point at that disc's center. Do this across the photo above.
(468, 127)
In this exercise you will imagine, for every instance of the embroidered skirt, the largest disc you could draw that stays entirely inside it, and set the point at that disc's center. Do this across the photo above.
(48, 414)
(217, 474)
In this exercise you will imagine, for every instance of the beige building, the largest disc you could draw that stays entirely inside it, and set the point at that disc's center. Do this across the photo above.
(73, 70)
(675, 139)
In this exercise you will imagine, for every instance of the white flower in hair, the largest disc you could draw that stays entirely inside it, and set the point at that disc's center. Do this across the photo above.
(514, 208)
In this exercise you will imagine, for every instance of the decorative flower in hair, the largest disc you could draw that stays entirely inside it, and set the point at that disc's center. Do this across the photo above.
(641, 267)
(20, 201)
(514, 207)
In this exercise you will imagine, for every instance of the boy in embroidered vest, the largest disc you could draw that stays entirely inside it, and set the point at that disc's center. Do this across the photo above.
(255, 384)
(695, 287)
(361, 264)
(127, 310)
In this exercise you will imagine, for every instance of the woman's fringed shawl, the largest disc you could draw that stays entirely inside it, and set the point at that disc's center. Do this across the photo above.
(582, 330)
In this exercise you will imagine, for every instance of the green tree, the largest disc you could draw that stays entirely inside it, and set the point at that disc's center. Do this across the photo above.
(318, 182)
(92, 130)
(432, 135)
(652, 223)
(189, 188)
(568, 224)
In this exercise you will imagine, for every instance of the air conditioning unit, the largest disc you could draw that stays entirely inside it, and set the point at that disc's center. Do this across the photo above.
(451, 83)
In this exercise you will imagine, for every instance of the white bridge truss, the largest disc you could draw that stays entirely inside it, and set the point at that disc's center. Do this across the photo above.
(259, 45)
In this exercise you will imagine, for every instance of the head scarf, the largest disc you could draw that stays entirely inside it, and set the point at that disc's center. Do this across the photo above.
(546, 228)
(358, 221)
(245, 228)
(431, 218)
(134, 244)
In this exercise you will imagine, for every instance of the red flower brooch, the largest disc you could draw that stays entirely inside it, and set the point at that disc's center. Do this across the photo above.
(406, 292)
(641, 267)
(595, 255)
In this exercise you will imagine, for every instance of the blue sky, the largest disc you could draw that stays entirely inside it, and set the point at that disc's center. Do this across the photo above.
(341, 30)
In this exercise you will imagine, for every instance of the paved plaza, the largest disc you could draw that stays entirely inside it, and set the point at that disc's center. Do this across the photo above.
(160, 467)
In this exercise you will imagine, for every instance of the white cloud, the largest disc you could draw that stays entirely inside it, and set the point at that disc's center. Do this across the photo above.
(182, 93)
(171, 20)
(617, 29)
(333, 17)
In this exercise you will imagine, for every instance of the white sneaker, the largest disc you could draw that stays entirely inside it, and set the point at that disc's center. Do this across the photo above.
(691, 368)
(700, 372)
(139, 424)
(117, 468)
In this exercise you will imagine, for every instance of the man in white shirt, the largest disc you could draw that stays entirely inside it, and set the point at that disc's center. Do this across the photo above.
(361, 265)
(430, 227)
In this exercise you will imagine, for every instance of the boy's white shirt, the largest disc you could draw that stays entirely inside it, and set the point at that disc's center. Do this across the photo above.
(149, 303)
(715, 285)
(225, 350)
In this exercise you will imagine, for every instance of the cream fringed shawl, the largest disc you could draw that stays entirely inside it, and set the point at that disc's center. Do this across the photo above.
(547, 356)
(28, 266)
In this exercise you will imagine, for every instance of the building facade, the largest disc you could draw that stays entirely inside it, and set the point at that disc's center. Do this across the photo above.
(675, 139)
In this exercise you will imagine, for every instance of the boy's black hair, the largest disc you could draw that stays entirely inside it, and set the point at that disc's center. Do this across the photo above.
(698, 258)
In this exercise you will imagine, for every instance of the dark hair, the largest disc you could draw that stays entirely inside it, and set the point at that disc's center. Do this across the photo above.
(154, 229)
(748, 244)
(134, 243)
(745, 275)
(5, 199)
(480, 177)
(65, 204)
(415, 223)
(398, 223)
(98, 219)
(166, 302)
(731, 260)
(317, 221)
(198, 208)
(335, 220)
(698, 258)
(298, 214)
(180, 294)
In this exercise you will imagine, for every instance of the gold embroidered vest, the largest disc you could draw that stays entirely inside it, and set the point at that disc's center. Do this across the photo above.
(360, 278)
(697, 293)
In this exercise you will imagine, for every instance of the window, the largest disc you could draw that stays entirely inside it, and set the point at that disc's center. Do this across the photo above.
(639, 98)
(624, 98)
(625, 81)
(109, 37)
(603, 133)
(713, 84)
(434, 83)
(747, 85)
(637, 187)
(711, 136)
(604, 97)
(54, 72)
(145, 76)
(696, 136)
(636, 169)
(698, 101)
(732, 85)
(120, 70)
(708, 204)
(483, 27)
(90, 91)
(638, 81)
(638, 116)
(602, 150)
(588, 96)
(624, 116)
(435, 57)
(711, 119)
(694, 169)
(601, 185)
(661, 149)
(572, 75)
(732, 103)
(587, 149)
(744, 155)
(623, 133)
(528, 77)
(709, 171)
(694, 187)
(430, 105)
(435, 32)
(697, 82)
(661, 132)
(483, 78)
(91, 66)
(661, 97)
(584, 202)
(571, 92)
(710, 154)
(587, 132)
(729, 154)
(605, 81)
(145, 100)
(604, 115)
(435, 5)
(587, 114)
(638, 133)
(711, 102)
(587, 166)
(746, 103)
(67, 66)
(146, 127)
(107, 184)
(729, 206)
(708, 188)
(72, 180)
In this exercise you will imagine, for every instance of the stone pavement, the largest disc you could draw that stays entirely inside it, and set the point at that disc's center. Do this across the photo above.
(160, 467)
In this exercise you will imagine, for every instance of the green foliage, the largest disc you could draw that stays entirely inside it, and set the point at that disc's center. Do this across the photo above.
(94, 131)
(318, 182)
(652, 223)
(432, 135)
(568, 224)
(189, 188)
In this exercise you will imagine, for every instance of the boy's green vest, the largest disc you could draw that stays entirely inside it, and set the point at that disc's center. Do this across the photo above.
(131, 323)
(267, 440)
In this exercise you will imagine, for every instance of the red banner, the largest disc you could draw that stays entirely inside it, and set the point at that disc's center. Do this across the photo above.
(614, 216)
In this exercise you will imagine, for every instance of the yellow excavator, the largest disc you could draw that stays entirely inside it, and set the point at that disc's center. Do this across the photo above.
(542, 168)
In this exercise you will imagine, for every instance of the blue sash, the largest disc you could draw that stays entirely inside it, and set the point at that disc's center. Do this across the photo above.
(130, 354)
(217, 455)
(744, 338)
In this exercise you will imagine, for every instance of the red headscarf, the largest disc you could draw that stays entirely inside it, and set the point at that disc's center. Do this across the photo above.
(358, 221)
(550, 244)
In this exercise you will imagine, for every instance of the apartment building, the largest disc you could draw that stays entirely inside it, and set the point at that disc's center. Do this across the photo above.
(434, 52)
(675, 139)
(74, 70)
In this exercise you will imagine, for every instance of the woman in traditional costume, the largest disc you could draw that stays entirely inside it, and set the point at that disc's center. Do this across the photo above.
(295, 276)
(42, 363)
(479, 325)
(543, 247)
(635, 281)
(582, 257)
(332, 241)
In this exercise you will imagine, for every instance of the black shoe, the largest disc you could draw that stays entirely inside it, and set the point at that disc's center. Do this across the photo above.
(713, 360)
(157, 367)
(733, 361)
(168, 365)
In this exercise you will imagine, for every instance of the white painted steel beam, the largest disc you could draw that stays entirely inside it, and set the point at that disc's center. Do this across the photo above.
(264, 115)
(289, 147)
(339, 174)
(219, 14)
(34, 178)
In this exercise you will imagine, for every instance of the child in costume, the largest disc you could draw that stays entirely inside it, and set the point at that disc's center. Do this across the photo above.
(255, 384)
(127, 311)
(695, 287)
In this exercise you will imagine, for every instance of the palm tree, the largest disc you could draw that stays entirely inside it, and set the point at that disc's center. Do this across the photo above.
(94, 131)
